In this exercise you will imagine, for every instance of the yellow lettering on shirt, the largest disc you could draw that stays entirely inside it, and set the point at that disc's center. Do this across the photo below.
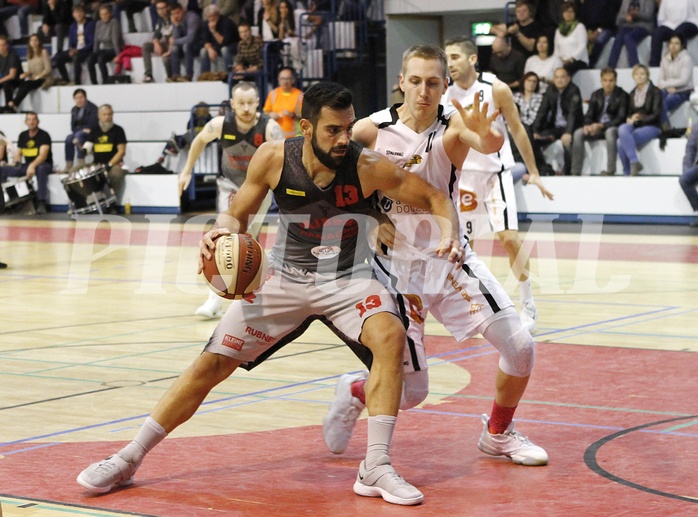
(32, 152)
(103, 148)
(229, 137)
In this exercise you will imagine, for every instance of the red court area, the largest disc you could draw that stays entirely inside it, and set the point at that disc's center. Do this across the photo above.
(617, 424)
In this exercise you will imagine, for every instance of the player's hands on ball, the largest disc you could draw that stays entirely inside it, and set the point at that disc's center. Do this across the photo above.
(208, 243)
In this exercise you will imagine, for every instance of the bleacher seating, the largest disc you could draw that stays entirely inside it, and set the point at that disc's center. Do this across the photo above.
(149, 114)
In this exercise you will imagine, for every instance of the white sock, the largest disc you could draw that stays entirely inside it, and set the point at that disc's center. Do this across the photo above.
(525, 291)
(380, 432)
(149, 435)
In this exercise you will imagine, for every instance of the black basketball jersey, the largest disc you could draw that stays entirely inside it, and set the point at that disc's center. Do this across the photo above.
(238, 147)
(321, 228)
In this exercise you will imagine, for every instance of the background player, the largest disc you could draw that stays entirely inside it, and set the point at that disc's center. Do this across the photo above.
(239, 134)
(468, 300)
(486, 185)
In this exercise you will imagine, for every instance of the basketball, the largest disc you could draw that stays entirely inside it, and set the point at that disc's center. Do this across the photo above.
(238, 266)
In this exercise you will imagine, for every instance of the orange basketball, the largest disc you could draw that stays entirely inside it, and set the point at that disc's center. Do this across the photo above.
(237, 268)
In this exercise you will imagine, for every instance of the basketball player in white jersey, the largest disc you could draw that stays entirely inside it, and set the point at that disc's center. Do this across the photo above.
(239, 133)
(468, 300)
(487, 200)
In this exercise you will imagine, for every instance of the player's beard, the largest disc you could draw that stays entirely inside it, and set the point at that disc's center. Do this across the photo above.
(106, 126)
(326, 158)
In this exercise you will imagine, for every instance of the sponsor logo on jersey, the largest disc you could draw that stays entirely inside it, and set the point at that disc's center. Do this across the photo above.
(415, 160)
(475, 307)
(388, 152)
(468, 201)
(259, 334)
(229, 137)
(416, 307)
(325, 252)
(459, 288)
(233, 342)
(292, 192)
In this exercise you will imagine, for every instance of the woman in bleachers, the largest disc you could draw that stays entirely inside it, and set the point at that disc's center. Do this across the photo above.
(543, 63)
(571, 40)
(268, 20)
(38, 69)
(675, 77)
(643, 122)
(528, 101)
(635, 21)
(674, 16)
(287, 20)
(108, 43)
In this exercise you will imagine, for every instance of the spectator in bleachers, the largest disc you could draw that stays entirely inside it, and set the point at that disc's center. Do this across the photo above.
(543, 63)
(80, 43)
(83, 120)
(21, 8)
(38, 69)
(249, 57)
(560, 115)
(689, 177)
(675, 77)
(287, 20)
(34, 148)
(506, 63)
(228, 8)
(643, 122)
(160, 43)
(608, 109)
(108, 43)
(635, 21)
(108, 142)
(529, 101)
(268, 20)
(571, 40)
(674, 16)
(599, 17)
(221, 38)
(284, 103)
(10, 68)
(132, 7)
(524, 31)
(186, 35)
(56, 21)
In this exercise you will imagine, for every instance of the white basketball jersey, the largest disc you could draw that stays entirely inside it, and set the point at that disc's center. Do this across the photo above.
(422, 154)
(494, 162)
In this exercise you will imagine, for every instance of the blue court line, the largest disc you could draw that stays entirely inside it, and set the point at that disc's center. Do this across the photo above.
(130, 418)
(27, 449)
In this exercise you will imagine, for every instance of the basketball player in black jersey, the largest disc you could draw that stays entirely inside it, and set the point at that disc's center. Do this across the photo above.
(319, 179)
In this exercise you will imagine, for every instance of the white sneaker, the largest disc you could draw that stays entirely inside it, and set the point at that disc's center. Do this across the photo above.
(383, 481)
(102, 476)
(338, 424)
(212, 308)
(512, 445)
(528, 315)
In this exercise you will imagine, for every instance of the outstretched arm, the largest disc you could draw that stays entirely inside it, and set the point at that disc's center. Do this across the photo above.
(212, 130)
(504, 100)
(474, 128)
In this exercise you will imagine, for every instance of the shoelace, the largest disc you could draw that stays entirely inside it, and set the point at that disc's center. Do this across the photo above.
(520, 438)
(106, 466)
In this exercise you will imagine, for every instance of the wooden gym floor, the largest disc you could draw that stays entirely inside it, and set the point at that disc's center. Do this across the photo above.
(97, 320)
